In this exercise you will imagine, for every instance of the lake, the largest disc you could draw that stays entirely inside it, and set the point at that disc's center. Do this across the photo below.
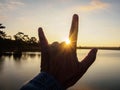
(104, 74)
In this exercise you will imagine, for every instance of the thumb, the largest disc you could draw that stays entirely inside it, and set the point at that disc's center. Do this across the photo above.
(89, 59)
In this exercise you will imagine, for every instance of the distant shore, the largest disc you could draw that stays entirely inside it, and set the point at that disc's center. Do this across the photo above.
(102, 48)
(37, 49)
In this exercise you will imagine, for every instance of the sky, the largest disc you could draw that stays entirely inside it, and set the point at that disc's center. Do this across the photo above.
(99, 20)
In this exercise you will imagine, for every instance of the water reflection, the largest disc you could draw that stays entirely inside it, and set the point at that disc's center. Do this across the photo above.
(1, 63)
(6, 54)
(104, 74)
(18, 56)
(16, 69)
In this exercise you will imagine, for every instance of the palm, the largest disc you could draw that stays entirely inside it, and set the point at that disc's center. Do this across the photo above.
(60, 60)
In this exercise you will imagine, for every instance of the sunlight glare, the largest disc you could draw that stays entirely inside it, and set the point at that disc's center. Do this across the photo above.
(67, 41)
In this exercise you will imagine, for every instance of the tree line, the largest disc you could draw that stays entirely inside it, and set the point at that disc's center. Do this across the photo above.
(20, 43)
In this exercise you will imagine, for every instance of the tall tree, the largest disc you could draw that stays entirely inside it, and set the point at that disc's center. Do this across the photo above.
(2, 33)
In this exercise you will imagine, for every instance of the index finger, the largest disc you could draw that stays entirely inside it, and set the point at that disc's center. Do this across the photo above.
(43, 40)
(44, 50)
(74, 31)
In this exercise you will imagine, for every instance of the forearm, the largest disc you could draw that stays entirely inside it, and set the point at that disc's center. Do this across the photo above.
(43, 81)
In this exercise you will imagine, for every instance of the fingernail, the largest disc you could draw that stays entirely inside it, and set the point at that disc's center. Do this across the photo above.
(39, 28)
(75, 16)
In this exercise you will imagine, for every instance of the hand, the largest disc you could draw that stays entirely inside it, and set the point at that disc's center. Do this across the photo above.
(60, 60)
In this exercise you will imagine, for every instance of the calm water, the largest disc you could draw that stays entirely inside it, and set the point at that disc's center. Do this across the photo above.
(104, 74)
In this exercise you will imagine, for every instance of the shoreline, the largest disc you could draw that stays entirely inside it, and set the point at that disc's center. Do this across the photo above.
(38, 50)
(101, 48)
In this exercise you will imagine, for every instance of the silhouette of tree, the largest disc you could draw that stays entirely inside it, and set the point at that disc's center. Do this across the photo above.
(2, 27)
(33, 40)
(8, 37)
(2, 33)
(26, 38)
(19, 36)
(20, 43)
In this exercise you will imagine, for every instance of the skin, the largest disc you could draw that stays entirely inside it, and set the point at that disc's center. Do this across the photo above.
(60, 60)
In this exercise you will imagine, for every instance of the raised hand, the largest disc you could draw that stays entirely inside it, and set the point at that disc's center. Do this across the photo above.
(60, 60)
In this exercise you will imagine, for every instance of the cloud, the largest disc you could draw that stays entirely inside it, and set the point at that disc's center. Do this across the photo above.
(14, 5)
(10, 5)
(93, 5)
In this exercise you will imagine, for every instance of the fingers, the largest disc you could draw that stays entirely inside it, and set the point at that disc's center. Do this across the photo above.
(89, 59)
(44, 50)
(43, 40)
(74, 30)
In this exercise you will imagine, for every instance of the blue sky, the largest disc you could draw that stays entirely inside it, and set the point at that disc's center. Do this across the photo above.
(99, 23)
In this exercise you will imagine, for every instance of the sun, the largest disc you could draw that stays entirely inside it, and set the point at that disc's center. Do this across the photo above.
(67, 41)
